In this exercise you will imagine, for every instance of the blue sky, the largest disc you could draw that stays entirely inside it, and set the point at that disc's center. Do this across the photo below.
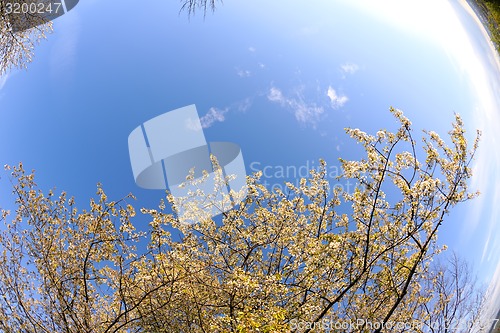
(281, 79)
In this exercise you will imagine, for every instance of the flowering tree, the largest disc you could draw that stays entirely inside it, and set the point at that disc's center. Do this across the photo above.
(453, 299)
(191, 6)
(22, 28)
(16, 48)
(299, 260)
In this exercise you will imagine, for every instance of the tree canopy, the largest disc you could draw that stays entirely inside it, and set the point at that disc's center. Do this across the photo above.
(21, 32)
(306, 259)
(17, 44)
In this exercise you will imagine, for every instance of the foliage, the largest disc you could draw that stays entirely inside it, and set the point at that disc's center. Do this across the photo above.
(455, 301)
(494, 21)
(279, 262)
(192, 6)
(16, 48)
(491, 10)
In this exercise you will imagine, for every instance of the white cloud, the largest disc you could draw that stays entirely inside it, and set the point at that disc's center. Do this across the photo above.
(3, 80)
(64, 49)
(308, 31)
(304, 112)
(243, 72)
(213, 115)
(336, 101)
(349, 68)
(244, 105)
(275, 95)
(308, 113)
(252, 49)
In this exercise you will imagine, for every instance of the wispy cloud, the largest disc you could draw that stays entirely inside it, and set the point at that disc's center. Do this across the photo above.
(64, 50)
(244, 105)
(275, 95)
(308, 113)
(243, 72)
(213, 115)
(305, 113)
(336, 101)
(252, 49)
(3, 80)
(349, 68)
(218, 115)
(308, 31)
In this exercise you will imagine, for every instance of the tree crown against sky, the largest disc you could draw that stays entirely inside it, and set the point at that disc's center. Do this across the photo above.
(17, 48)
(280, 261)
(193, 6)
(17, 45)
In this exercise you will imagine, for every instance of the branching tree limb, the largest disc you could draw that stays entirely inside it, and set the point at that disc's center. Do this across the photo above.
(281, 261)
